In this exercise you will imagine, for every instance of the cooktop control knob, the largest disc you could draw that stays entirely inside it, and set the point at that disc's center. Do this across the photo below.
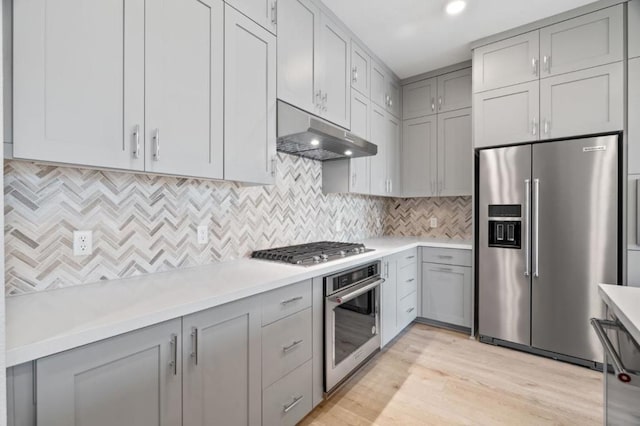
(316, 259)
(324, 257)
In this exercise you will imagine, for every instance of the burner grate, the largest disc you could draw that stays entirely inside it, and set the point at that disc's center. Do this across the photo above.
(310, 252)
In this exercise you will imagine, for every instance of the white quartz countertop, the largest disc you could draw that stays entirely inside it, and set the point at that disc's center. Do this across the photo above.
(624, 303)
(44, 323)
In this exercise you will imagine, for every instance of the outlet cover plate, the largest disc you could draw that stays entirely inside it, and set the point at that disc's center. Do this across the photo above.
(82, 243)
(433, 222)
(203, 234)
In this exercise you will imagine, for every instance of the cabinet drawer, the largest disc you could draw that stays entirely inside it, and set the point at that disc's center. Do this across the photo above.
(286, 344)
(446, 256)
(407, 310)
(407, 280)
(407, 258)
(285, 301)
(288, 400)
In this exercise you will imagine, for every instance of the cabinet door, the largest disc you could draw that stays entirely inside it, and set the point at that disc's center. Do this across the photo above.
(506, 116)
(184, 86)
(454, 153)
(454, 90)
(633, 135)
(388, 302)
(394, 106)
(132, 379)
(360, 69)
(298, 40)
(582, 102)
(583, 42)
(378, 162)
(507, 62)
(419, 98)
(378, 85)
(261, 11)
(394, 173)
(446, 294)
(419, 157)
(633, 13)
(78, 82)
(633, 262)
(360, 125)
(249, 100)
(335, 63)
(222, 365)
(633, 213)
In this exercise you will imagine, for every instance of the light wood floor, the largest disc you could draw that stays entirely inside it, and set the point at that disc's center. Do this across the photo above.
(429, 376)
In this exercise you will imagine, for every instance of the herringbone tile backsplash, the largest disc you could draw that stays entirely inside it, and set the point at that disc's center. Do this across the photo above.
(143, 223)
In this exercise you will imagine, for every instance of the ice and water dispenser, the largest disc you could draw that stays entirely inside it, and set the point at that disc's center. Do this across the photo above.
(505, 225)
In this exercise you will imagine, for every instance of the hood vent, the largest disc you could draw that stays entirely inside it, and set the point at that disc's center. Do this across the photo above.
(301, 133)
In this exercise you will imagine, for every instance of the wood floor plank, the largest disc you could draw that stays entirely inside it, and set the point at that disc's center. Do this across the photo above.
(430, 376)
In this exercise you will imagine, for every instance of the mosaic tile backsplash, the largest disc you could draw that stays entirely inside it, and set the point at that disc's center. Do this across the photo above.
(143, 223)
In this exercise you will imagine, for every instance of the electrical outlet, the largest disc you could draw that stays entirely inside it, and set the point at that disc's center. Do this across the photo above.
(338, 225)
(433, 222)
(203, 234)
(82, 243)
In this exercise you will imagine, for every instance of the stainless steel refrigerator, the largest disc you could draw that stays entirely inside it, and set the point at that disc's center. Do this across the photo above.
(548, 232)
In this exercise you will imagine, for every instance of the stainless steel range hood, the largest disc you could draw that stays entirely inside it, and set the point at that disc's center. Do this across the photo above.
(301, 133)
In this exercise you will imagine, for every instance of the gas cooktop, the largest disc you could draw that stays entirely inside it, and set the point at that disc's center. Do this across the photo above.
(311, 253)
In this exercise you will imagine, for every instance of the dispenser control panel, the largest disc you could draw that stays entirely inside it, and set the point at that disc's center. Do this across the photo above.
(505, 226)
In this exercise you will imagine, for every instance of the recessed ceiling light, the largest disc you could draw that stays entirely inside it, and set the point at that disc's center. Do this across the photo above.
(315, 142)
(348, 152)
(456, 6)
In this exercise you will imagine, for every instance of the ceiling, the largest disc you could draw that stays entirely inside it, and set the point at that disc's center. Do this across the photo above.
(416, 36)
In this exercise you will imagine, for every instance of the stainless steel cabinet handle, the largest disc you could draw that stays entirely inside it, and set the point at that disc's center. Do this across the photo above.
(319, 99)
(390, 102)
(325, 97)
(410, 310)
(296, 401)
(386, 269)
(286, 349)
(440, 103)
(442, 256)
(546, 60)
(136, 141)
(621, 372)
(156, 141)
(274, 13)
(353, 180)
(534, 127)
(433, 104)
(194, 345)
(390, 186)
(527, 227)
(354, 74)
(536, 231)
(534, 66)
(445, 269)
(173, 364)
(293, 299)
(547, 124)
(273, 166)
(410, 280)
(410, 257)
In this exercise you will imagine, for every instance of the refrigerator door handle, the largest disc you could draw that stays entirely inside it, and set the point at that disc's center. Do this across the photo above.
(536, 231)
(527, 219)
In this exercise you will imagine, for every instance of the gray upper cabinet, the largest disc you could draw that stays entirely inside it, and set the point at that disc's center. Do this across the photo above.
(394, 173)
(419, 157)
(583, 42)
(249, 100)
(506, 116)
(184, 87)
(298, 40)
(446, 293)
(454, 90)
(222, 365)
(378, 84)
(335, 62)
(633, 13)
(70, 56)
(420, 98)
(582, 102)
(378, 163)
(360, 69)
(394, 106)
(633, 135)
(507, 62)
(264, 12)
(360, 125)
(455, 153)
(131, 379)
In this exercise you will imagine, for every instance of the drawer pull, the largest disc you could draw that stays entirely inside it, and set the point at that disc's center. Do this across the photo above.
(410, 257)
(295, 343)
(442, 256)
(410, 310)
(293, 299)
(410, 280)
(173, 363)
(296, 401)
(445, 269)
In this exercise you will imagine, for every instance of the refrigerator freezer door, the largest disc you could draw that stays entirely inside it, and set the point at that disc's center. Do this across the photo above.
(504, 294)
(578, 242)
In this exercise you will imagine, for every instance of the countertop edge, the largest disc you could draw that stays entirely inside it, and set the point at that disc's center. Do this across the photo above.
(76, 338)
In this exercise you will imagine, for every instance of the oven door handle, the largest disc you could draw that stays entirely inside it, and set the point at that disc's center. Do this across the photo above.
(342, 298)
(622, 373)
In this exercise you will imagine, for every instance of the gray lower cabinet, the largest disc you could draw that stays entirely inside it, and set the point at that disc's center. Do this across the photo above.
(582, 102)
(633, 278)
(398, 295)
(633, 134)
(507, 115)
(85, 386)
(446, 293)
(221, 350)
(633, 13)
(287, 401)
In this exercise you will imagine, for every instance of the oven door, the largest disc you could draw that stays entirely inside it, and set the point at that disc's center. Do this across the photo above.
(351, 329)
